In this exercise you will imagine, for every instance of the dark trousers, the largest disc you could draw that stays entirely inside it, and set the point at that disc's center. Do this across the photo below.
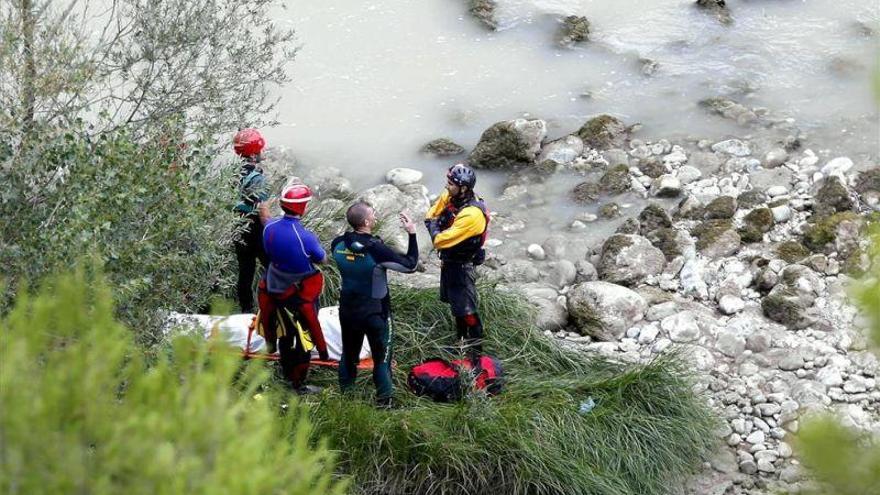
(248, 250)
(378, 332)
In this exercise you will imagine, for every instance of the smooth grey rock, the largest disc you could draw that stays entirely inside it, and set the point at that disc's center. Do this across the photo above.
(775, 157)
(604, 310)
(733, 147)
(400, 177)
(687, 174)
(666, 186)
(730, 305)
(629, 259)
(535, 251)
(839, 165)
(659, 311)
(730, 343)
(563, 150)
(681, 327)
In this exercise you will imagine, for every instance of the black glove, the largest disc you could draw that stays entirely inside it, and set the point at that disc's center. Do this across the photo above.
(323, 355)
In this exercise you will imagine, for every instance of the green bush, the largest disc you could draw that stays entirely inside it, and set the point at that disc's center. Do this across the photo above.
(646, 433)
(82, 413)
(159, 217)
(844, 461)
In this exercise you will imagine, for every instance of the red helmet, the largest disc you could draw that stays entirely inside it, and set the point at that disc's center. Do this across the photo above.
(294, 199)
(248, 142)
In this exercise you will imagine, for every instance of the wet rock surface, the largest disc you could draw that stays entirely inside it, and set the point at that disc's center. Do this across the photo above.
(735, 252)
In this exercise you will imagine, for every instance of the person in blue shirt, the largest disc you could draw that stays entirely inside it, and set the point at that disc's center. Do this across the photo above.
(292, 285)
(364, 301)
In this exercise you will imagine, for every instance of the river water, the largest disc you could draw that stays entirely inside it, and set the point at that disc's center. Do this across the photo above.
(375, 80)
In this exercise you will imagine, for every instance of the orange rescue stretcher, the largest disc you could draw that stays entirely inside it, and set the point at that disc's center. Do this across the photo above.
(365, 364)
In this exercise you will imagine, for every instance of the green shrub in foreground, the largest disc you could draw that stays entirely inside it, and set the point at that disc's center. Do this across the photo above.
(646, 433)
(82, 413)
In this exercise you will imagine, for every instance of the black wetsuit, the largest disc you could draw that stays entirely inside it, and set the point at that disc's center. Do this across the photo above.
(365, 303)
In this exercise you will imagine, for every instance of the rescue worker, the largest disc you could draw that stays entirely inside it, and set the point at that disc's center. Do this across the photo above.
(290, 288)
(248, 144)
(458, 224)
(364, 301)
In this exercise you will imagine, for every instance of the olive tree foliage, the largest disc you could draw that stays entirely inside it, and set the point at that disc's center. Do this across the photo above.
(159, 217)
(109, 114)
(208, 64)
(83, 411)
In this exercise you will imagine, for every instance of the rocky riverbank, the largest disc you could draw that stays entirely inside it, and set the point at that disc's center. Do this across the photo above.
(740, 259)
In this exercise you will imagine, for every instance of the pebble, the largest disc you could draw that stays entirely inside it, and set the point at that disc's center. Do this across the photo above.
(730, 305)
(687, 174)
(748, 467)
(775, 191)
(755, 437)
(765, 466)
(648, 334)
(536, 252)
(734, 439)
(775, 158)
(781, 214)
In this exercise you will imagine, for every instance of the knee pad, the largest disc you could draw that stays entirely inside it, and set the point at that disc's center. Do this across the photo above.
(471, 320)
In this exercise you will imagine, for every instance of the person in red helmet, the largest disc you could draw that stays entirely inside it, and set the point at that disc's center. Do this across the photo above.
(291, 286)
(248, 144)
(458, 223)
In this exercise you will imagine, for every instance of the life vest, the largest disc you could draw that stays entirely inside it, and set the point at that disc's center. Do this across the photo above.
(248, 198)
(471, 249)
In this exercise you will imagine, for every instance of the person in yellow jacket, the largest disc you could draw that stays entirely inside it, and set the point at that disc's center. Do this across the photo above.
(458, 223)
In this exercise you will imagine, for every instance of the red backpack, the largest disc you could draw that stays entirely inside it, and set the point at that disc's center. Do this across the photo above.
(442, 381)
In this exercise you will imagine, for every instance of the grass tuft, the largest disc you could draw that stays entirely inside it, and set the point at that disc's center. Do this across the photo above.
(646, 433)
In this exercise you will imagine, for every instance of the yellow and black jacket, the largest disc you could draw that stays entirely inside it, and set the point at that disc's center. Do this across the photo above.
(462, 228)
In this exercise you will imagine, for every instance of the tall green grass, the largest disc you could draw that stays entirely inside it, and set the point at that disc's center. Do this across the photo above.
(645, 434)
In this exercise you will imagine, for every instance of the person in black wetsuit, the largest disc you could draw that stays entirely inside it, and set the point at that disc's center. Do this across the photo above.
(364, 301)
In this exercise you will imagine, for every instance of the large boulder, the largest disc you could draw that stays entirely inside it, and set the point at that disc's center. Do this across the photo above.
(604, 132)
(629, 259)
(509, 144)
(604, 310)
